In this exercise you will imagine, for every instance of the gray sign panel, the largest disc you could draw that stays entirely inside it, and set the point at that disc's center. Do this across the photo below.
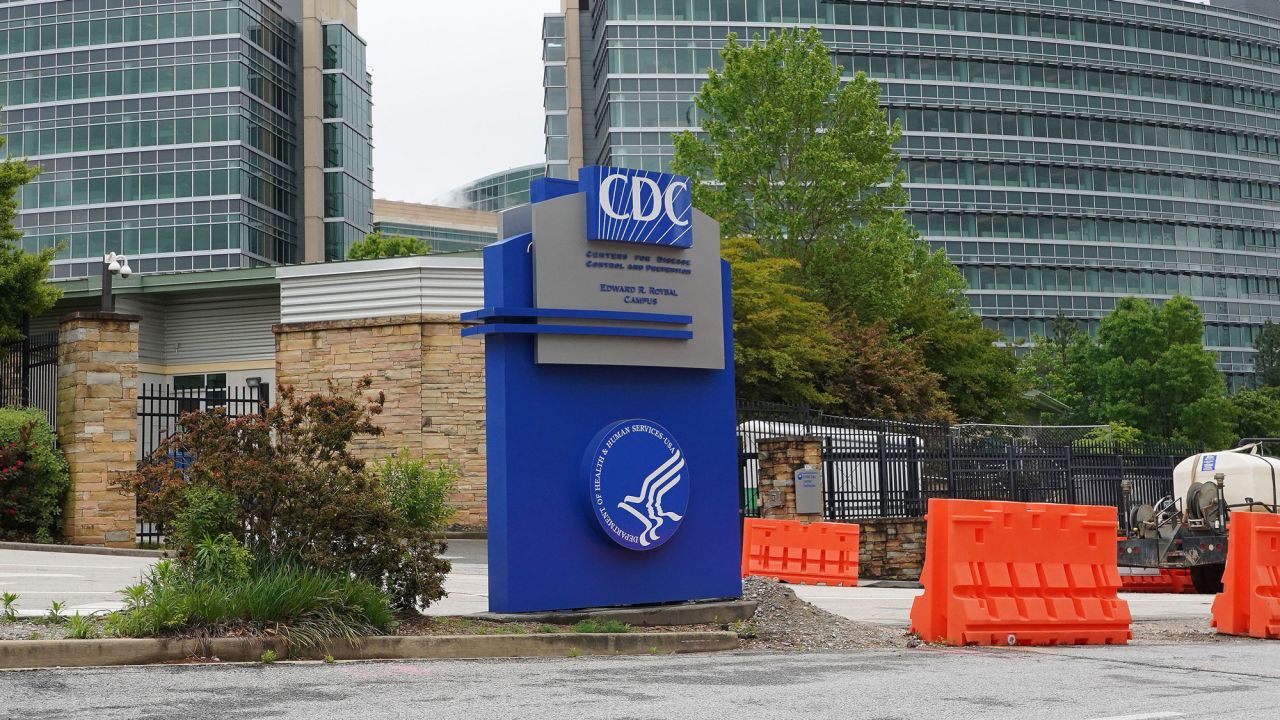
(572, 273)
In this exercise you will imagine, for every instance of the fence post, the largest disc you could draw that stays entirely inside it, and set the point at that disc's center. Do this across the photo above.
(1013, 470)
(24, 362)
(949, 442)
(828, 480)
(913, 478)
(1071, 476)
(882, 467)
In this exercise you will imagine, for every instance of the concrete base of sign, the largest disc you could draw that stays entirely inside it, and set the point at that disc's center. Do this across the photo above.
(699, 613)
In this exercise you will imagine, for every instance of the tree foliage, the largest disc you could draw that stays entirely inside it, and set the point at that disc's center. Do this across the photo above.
(805, 164)
(24, 291)
(783, 344)
(1266, 362)
(377, 245)
(790, 156)
(886, 378)
(1147, 368)
(1257, 412)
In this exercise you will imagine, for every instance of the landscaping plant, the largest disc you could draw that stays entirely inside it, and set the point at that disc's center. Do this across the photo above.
(286, 485)
(33, 477)
(418, 489)
(8, 612)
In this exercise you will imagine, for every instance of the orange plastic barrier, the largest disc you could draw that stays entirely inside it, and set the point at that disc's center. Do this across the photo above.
(815, 554)
(999, 573)
(1249, 603)
(1168, 581)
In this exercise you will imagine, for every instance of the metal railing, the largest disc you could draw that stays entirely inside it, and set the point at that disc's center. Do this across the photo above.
(29, 374)
(878, 468)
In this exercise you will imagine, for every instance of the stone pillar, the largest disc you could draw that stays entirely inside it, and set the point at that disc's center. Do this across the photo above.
(97, 424)
(780, 458)
(432, 378)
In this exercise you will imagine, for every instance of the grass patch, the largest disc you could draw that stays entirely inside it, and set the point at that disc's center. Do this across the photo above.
(307, 607)
(595, 626)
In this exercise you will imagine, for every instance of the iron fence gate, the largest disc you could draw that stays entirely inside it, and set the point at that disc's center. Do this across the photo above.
(160, 411)
(29, 374)
(876, 468)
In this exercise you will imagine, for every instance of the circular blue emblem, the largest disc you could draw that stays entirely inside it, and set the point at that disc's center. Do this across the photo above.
(638, 483)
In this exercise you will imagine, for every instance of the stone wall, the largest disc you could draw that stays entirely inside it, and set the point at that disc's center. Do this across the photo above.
(779, 459)
(891, 548)
(433, 381)
(97, 424)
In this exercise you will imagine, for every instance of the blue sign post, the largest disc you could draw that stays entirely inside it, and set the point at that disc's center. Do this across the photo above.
(609, 368)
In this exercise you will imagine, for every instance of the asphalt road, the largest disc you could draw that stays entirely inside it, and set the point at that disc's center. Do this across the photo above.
(1129, 683)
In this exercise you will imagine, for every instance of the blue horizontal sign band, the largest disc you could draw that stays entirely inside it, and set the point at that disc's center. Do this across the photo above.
(526, 329)
(618, 315)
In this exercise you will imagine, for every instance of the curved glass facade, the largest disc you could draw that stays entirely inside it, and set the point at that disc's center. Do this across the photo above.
(1065, 153)
(501, 191)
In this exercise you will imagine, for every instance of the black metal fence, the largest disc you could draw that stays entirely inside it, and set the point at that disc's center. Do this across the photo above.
(160, 411)
(876, 468)
(29, 374)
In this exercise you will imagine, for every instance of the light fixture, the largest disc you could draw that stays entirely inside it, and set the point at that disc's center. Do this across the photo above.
(112, 264)
(253, 382)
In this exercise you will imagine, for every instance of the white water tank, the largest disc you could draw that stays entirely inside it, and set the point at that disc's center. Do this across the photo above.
(1248, 478)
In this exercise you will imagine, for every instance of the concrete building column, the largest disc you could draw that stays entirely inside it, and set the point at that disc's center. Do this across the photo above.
(98, 424)
(779, 460)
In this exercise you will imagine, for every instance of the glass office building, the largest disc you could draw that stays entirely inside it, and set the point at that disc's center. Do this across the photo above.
(443, 229)
(501, 191)
(174, 132)
(1065, 153)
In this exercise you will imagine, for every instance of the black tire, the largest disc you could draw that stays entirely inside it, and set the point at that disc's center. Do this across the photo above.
(1207, 579)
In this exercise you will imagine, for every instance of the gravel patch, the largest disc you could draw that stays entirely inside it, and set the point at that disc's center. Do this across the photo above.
(785, 622)
(27, 630)
(1180, 632)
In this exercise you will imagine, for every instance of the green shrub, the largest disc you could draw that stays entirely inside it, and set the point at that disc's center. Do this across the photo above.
(299, 492)
(8, 613)
(268, 657)
(306, 606)
(206, 512)
(33, 477)
(418, 489)
(220, 559)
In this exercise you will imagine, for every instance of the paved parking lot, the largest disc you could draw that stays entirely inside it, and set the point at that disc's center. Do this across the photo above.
(89, 583)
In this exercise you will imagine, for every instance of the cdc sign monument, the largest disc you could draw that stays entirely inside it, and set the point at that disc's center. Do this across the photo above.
(609, 371)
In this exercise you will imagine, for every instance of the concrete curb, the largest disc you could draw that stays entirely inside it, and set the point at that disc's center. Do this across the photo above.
(84, 550)
(705, 613)
(33, 654)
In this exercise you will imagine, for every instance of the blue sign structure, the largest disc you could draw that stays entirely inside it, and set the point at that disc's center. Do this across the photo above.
(637, 206)
(612, 458)
(638, 511)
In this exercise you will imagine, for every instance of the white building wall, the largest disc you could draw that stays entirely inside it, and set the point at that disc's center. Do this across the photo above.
(425, 285)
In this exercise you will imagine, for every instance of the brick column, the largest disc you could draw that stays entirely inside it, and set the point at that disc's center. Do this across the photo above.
(780, 458)
(433, 380)
(97, 423)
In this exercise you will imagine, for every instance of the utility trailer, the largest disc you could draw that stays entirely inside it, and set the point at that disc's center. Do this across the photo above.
(1188, 529)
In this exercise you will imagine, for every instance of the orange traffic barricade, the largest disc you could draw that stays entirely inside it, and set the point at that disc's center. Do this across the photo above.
(998, 573)
(1166, 581)
(815, 554)
(1249, 603)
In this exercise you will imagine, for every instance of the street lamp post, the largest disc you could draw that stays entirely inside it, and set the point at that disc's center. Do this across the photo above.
(112, 264)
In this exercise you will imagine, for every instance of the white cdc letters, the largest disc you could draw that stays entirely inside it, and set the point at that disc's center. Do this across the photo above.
(639, 212)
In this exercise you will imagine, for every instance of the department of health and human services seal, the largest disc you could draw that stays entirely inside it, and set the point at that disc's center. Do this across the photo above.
(637, 482)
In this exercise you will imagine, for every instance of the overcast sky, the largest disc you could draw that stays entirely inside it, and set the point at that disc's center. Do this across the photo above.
(457, 91)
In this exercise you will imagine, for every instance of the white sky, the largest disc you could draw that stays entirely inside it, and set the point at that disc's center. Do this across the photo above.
(457, 91)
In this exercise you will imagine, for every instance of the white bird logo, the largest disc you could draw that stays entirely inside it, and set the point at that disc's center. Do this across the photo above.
(657, 485)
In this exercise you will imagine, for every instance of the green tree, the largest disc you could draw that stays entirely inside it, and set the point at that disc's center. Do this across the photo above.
(24, 290)
(783, 345)
(1148, 369)
(377, 245)
(1257, 412)
(886, 378)
(1266, 362)
(789, 155)
(805, 164)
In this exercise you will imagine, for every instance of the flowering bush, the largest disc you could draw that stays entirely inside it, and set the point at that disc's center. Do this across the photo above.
(33, 477)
